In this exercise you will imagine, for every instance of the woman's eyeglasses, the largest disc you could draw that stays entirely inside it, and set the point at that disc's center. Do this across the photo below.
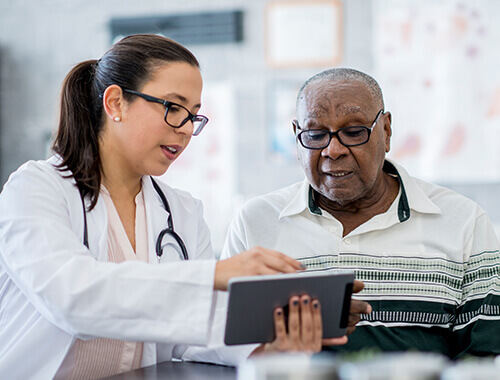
(176, 115)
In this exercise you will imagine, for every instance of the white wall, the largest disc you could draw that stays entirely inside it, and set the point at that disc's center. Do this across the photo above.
(40, 40)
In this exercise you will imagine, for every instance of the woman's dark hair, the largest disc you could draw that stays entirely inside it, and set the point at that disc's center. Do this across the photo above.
(129, 64)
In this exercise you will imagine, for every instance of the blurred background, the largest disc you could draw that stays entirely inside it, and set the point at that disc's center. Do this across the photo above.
(437, 62)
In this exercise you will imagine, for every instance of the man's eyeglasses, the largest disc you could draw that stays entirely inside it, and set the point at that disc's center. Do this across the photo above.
(347, 136)
(175, 114)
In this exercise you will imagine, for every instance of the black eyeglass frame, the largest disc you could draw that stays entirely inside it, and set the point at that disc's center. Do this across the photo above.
(202, 119)
(336, 133)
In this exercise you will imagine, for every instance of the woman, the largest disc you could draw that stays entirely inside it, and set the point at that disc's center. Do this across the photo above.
(67, 309)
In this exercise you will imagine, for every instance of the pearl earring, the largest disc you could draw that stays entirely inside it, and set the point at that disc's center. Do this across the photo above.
(117, 119)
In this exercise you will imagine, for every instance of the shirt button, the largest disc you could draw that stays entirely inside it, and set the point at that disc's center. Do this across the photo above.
(347, 241)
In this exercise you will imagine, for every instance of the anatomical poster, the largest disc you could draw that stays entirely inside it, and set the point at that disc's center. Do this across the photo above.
(437, 62)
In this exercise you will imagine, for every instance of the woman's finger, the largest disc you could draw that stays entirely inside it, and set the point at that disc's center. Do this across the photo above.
(306, 323)
(279, 327)
(294, 263)
(294, 322)
(279, 262)
(318, 325)
(335, 341)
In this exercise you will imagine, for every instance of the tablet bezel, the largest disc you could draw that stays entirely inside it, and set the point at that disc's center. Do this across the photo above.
(252, 300)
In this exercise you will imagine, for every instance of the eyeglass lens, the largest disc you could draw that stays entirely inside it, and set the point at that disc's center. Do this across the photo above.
(177, 116)
(349, 136)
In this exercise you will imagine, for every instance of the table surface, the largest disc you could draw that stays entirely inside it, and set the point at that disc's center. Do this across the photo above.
(180, 371)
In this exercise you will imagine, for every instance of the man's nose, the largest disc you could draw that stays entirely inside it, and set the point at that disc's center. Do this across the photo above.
(335, 149)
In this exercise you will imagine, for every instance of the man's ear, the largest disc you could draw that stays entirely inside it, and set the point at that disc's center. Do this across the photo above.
(112, 101)
(295, 125)
(387, 130)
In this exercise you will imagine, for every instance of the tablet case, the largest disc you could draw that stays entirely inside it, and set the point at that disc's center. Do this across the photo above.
(252, 301)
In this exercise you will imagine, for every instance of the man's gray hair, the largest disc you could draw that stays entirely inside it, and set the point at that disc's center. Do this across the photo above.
(348, 75)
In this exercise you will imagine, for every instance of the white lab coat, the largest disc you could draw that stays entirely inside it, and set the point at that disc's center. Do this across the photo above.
(54, 290)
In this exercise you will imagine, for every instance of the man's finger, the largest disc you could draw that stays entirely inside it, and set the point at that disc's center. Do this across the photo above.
(350, 330)
(357, 286)
(360, 307)
(353, 320)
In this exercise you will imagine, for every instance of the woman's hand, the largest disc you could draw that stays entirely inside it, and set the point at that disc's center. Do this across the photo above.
(305, 328)
(255, 261)
(357, 308)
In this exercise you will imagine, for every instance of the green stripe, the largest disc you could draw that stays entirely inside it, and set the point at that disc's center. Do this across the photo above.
(488, 307)
(385, 262)
(433, 339)
(410, 312)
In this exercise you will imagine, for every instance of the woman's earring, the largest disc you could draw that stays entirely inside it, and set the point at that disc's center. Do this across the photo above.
(117, 119)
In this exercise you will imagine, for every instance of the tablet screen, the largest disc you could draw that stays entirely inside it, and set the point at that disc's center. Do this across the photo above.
(252, 301)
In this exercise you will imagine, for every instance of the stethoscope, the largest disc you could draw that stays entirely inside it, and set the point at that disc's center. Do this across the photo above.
(167, 231)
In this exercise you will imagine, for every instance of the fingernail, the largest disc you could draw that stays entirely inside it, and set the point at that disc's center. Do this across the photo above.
(295, 303)
(303, 266)
(315, 304)
(279, 312)
(306, 301)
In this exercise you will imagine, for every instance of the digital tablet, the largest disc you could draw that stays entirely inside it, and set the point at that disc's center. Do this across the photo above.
(252, 301)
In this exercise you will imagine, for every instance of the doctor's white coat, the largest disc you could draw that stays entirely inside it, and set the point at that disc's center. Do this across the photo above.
(54, 290)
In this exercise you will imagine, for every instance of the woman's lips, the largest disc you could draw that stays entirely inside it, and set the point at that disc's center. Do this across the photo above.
(171, 151)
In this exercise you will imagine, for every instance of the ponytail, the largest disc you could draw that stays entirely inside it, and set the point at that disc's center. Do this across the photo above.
(77, 137)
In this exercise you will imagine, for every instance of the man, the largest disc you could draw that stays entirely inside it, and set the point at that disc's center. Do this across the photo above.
(428, 257)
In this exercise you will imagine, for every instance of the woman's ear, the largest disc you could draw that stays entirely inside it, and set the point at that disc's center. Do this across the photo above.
(112, 102)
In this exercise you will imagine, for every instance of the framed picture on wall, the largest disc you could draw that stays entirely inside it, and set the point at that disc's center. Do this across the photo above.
(303, 33)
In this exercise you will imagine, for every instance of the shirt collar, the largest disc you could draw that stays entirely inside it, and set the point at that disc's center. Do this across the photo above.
(416, 197)
(299, 202)
(412, 196)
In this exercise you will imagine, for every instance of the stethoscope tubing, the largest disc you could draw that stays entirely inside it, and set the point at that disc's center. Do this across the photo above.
(167, 231)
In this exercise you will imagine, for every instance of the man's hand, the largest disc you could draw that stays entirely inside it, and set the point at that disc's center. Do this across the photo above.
(255, 261)
(357, 308)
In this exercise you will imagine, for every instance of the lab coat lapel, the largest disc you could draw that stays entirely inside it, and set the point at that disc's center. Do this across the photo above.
(156, 216)
(97, 221)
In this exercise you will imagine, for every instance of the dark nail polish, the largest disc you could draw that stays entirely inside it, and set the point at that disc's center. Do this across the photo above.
(295, 303)
(306, 301)
(279, 312)
(315, 305)
(303, 266)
